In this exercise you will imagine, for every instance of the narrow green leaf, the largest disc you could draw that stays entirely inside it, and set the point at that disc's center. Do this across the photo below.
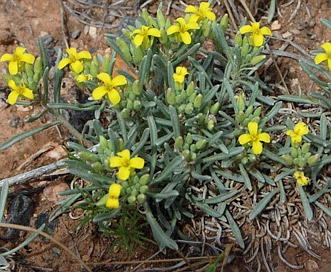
(244, 174)
(168, 170)
(305, 203)
(298, 99)
(26, 134)
(207, 209)
(160, 196)
(221, 197)
(326, 22)
(142, 142)
(174, 121)
(184, 56)
(235, 229)
(152, 129)
(275, 109)
(271, 11)
(259, 207)
(105, 216)
(3, 199)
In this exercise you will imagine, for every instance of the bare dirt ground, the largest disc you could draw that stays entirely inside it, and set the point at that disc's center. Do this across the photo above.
(23, 22)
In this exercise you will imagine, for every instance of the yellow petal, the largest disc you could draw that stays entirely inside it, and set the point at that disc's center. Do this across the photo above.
(264, 137)
(245, 29)
(125, 154)
(114, 190)
(105, 78)
(13, 67)
(138, 40)
(266, 31)
(124, 173)
(28, 93)
(191, 8)
(327, 47)
(186, 37)
(77, 66)
(192, 25)
(321, 57)
(119, 80)
(84, 55)
(6, 57)
(72, 52)
(64, 62)
(211, 16)
(204, 6)
(115, 161)
(137, 163)
(112, 203)
(301, 129)
(12, 97)
(178, 78)
(173, 29)
(28, 58)
(258, 39)
(12, 84)
(252, 128)
(154, 32)
(244, 139)
(99, 92)
(19, 51)
(114, 97)
(257, 147)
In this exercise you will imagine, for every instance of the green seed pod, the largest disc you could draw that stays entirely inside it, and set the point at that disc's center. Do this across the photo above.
(189, 138)
(313, 159)
(126, 113)
(136, 87)
(132, 199)
(187, 155)
(102, 201)
(88, 156)
(257, 59)
(240, 117)
(141, 198)
(144, 179)
(137, 105)
(224, 22)
(257, 112)
(200, 144)
(171, 97)
(294, 152)
(179, 142)
(97, 166)
(189, 108)
(214, 108)
(124, 49)
(198, 101)
(143, 189)
(305, 148)
(103, 142)
(287, 159)
(106, 64)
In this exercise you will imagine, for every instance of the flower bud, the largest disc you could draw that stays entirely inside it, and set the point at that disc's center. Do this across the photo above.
(88, 156)
(214, 108)
(143, 189)
(131, 199)
(190, 89)
(164, 37)
(312, 159)
(189, 138)
(257, 112)
(106, 64)
(244, 48)
(126, 33)
(94, 70)
(224, 22)
(240, 117)
(257, 59)
(126, 113)
(160, 18)
(188, 108)
(102, 201)
(186, 154)
(206, 27)
(134, 192)
(141, 198)
(301, 162)
(193, 147)
(171, 97)
(136, 87)
(249, 110)
(179, 142)
(210, 125)
(294, 152)
(306, 156)
(124, 49)
(198, 101)
(103, 142)
(200, 144)
(287, 159)
(137, 54)
(238, 39)
(137, 105)
(305, 148)
(97, 166)
(144, 179)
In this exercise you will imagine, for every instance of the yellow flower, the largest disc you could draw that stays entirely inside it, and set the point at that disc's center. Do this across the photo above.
(16, 59)
(181, 28)
(125, 164)
(180, 74)
(109, 88)
(203, 12)
(302, 180)
(74, 60)
(326, 56)
(113, 195)
(81, 78)
(141, 36)
(257, 33)
(18, 91)
(300, 129)
(254, 137)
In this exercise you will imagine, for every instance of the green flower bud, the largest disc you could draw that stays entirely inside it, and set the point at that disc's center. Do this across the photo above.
(257, 112)
(106, 64)
(294, 152)
(160, 18)
(179, 99)
(192, 97)
(301, 162)
(200, 144)
(126, 33)
(37, 69)
(124, 184)
(121, 144)
(305, 148)
(313, 159)
(132, 199)
(126, 113)
(244, 48)
(193, 156)
(124, 49)
(141, 198)
(201, 118)
(94, 70)
(181, 108)
(238, 39)
(255, 119)
(136, 89)
(193, 147)
(190, 89)
(252, 157)
(187, 155)
(88, 156)
(171, 97)
(210, 125)
(189, 138)
(206, 27)
(244, 160)
(137, 54)
(198, 101)
(249, 110)
(214, 108)
(240, 117)
(103, 142)
(102, 201)
(100, 150)
(257, 59)
(137, 105)
(97, 166)
(307, 155)
(189, 108)
(287, 159)
(129, 105)
(144, 179)
(29, 70)
(164, 37)
(143, 189)
(179, 142)
(134, 192)
(110, 145)
(224, 22)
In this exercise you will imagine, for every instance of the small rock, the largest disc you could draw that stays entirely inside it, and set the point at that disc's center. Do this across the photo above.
(295, 31)
(75, 34)
(276, 25)
(51, 192)
(93, 32)
(311, 266)
(286, 35)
